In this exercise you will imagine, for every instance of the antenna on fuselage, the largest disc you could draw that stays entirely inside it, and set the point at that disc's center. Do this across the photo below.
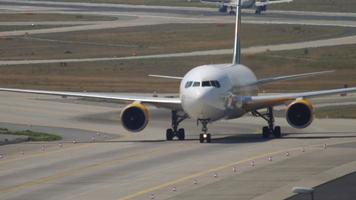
(237, 48)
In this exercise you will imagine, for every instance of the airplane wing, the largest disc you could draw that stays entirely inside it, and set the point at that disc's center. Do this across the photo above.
(257, 102)
(265, 3)
(167, 77)
(290, 77)
(164, 102)
(219, 3)
(233, 3)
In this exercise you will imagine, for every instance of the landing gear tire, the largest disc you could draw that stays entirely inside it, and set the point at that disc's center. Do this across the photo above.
(201, 138)
(277, 132)
(177, 118)
(169, 134)
(270, 129)
(181, 134)
(265, 132)
(208, 138)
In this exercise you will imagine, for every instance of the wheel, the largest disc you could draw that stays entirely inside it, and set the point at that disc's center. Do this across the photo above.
(208, 138)
(169, 134)
(201, 138)
(181, 134)
(277, 132)
(232, 13)
(258, 11)
(265, 132)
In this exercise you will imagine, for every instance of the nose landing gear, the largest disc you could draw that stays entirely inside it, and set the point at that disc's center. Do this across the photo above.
(174, 131)
(204, 136)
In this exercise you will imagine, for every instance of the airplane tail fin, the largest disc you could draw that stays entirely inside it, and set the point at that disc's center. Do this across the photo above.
(237, 48)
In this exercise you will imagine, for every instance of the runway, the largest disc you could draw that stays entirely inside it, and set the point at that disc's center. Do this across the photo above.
(135, 166)
(98, 159)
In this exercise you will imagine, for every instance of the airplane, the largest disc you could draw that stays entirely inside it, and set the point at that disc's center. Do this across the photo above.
(245, 4)
(209, 93)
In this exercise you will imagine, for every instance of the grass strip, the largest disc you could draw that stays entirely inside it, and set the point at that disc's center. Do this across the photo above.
(32, 136)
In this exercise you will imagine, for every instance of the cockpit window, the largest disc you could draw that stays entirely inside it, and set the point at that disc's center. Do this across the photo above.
(188, 84)
(206, 84)
(215, 84)
(196, 84)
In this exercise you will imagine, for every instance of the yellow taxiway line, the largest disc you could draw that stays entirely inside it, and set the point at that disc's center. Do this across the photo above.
(192, 176)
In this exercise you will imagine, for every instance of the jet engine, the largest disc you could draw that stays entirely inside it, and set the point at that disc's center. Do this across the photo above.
(134, 117)
(300, 114)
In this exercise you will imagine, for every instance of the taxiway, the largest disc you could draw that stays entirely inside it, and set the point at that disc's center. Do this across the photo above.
(98, 159)
(122, 165)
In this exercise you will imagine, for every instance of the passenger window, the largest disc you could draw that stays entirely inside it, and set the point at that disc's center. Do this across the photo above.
(196, 84)
(206, 84)
(188, 84)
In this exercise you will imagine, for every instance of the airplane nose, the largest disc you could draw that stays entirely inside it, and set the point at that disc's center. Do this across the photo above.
(197, 105)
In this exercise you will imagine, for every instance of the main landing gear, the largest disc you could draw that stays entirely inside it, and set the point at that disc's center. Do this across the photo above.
(174, 131)
(232, 11)
(270, 129)
(204, 136)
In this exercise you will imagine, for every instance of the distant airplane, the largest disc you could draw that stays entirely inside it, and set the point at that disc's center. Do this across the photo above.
(210, 93)
(260, 6)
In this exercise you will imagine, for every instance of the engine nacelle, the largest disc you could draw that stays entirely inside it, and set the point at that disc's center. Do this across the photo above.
(134, 117)
(300, 114)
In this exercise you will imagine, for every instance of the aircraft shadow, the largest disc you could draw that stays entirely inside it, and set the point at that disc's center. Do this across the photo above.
(241, 138)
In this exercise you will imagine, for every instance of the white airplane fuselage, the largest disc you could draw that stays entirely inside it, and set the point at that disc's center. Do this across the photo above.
(210, 102)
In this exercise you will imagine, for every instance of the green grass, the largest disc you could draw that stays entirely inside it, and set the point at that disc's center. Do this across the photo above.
(38, 17)
(33, 136)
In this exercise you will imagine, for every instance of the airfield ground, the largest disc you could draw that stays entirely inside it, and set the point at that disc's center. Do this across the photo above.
(301, 5)
(116, 76)
(39, 17)
(157, 39)
(98, 159)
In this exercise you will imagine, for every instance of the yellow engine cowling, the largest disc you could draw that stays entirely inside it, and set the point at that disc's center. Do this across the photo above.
(300, 114)
(135, 117)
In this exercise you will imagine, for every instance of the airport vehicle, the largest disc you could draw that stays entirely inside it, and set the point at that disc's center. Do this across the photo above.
(213, 92)
(230, 5)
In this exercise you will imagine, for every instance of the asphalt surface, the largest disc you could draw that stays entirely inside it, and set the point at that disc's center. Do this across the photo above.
(98, 159)
(137, 166)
